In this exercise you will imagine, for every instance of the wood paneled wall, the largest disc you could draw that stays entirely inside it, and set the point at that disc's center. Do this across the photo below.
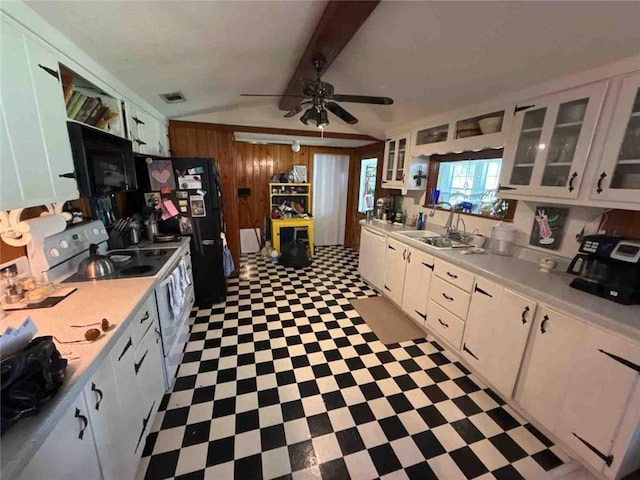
(246, 165)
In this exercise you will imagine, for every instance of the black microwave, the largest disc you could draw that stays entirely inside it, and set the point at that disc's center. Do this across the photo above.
(103, 162)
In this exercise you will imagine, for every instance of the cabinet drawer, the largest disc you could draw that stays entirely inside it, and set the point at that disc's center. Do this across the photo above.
(444, 323)
(144, 317)
(450, 297)
(455, 275)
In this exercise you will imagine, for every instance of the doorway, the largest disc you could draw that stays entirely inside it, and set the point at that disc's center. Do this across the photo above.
(330, 183)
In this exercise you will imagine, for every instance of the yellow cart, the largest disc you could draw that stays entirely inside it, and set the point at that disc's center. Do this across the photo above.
(277, 224)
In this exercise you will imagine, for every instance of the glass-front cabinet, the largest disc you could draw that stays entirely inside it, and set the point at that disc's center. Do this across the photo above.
(396, 158)
(547, 150)
(618, 176)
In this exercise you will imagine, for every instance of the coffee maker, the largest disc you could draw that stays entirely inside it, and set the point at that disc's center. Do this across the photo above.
(608, 266)
(383, 208)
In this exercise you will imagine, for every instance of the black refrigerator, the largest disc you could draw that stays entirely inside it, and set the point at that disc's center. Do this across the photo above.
(202, 204)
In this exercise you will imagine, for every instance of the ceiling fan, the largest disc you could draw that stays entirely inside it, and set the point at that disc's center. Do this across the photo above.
(318, 97)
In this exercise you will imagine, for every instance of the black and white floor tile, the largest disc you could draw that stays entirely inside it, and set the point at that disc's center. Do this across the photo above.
(286, 381)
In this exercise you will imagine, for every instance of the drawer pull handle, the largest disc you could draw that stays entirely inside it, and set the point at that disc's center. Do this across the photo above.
(443, 324)
(623, 361)
(524, 314)
(126, 347)
(465, 349)
(98, 393)
(482, 291)
(447, 297)
(608, 459)
(404, 254)
(452, 275)
(136, 366)
(430, 267)
(84, 421)
(145, 318)
(544, 321)
(422, 315)
(409, 256)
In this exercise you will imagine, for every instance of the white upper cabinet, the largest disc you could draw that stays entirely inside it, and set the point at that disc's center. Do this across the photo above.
(618, 177)
(35, 153)
(147, 134)
(396, 157)
(549, 144)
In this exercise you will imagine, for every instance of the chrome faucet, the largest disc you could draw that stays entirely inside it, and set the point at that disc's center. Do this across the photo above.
(452, 232)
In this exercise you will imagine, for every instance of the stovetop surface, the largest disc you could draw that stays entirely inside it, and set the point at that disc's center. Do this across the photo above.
(142, 263)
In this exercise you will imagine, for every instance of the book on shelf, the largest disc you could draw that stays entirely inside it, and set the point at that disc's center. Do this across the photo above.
(97, 113)
(68, 82)
(77, 105)
(106, 118)
(73, 102)
(86, 109)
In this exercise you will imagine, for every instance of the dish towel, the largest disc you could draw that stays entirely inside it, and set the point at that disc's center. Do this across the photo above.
(227, 258)
(178, 283)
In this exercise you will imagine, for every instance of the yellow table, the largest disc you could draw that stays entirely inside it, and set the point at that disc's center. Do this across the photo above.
(277, 224)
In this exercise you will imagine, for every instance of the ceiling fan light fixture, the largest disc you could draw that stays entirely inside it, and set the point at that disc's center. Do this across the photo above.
(307, 115)
(322, 119)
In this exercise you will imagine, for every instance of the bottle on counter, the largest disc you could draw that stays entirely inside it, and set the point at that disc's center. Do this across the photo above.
(420, 221)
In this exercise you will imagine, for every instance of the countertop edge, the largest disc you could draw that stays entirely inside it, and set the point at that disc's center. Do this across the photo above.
(572, 309)
(16, 457)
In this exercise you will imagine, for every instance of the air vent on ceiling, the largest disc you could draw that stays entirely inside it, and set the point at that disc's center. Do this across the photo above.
(173, 97)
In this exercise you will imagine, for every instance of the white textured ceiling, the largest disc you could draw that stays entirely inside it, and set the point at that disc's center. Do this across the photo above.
(427, 56)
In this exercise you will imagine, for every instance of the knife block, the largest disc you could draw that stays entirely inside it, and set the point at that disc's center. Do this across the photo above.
(119, 240)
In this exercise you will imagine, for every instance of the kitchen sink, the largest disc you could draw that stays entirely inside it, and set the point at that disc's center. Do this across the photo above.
(420, 234)
(443, 242)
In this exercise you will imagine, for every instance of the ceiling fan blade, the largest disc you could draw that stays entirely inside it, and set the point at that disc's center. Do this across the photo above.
(268, 95)
(363, 99)
(298, 108)
(341, 113)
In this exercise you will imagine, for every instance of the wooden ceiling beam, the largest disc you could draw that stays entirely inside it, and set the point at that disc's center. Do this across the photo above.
(338, 24)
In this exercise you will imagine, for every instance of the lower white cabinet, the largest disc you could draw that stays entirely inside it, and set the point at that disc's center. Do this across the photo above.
(604, 372)
(373, 246)
(69, 451)
(496, 333)
(417, 279)
(394, 268)
(547, 365)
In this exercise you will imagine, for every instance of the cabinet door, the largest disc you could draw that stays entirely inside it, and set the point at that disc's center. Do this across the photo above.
(373, 248)
(145, 139)
(603, 375)
(35, 148)
(417, 279)
(132, 126)
(124, 360)
(162, 137)
(69, 451)
(497, 329)
(106, 418)
(394, 267)
(388, 174)
(149, 377)
(547, 151)
(619, 174)
(547, 365)
(401, 160)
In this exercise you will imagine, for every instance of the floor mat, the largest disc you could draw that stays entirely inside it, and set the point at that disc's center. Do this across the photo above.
(385, 319)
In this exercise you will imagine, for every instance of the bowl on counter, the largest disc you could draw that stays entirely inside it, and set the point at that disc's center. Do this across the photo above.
(490, 125)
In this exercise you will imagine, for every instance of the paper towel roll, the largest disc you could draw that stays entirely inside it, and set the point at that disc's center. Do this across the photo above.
(48, 225)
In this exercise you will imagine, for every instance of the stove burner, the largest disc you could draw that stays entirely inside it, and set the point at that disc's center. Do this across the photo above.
(155, 253)
(135, 270)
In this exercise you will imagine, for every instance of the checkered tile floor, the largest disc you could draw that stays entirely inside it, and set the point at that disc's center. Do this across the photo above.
(285, 380)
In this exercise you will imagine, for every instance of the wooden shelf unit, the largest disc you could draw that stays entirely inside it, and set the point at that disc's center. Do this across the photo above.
(299, 192)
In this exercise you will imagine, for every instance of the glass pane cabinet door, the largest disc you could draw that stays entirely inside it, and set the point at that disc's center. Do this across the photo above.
(562, 147)
(402, 147)
(432, 135)
(626, 174)
(528, 146)
(390, 161)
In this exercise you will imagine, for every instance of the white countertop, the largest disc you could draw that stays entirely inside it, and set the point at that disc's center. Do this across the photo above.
(115, 300)
(525, 277)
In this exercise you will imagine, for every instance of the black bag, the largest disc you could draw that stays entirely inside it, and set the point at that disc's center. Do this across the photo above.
(294, 254)
(30, 378)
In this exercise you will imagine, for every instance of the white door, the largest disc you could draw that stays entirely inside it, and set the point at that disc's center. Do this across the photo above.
(394, 268)
(550, 142)
(496, 334)
(547, 365)
(373, 248)
(417, 279)
(330, 178)
(106, 418)
(619, 174)
(69, 451)
(34, 146)
(603, 376)
(123, 360)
